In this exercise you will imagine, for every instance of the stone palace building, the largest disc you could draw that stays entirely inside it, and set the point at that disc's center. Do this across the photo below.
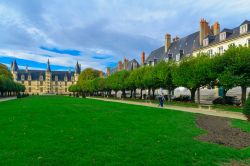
(45, 81)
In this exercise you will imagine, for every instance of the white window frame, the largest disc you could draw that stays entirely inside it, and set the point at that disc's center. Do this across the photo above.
(223, 36)
(220, 50)
(210, 52)
(205, 42)
(243, 28)
(177, 57)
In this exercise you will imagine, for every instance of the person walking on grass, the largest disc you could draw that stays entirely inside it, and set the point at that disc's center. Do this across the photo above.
(161, 100)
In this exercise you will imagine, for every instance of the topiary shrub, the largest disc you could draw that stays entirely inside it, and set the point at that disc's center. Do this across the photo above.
(246, 109)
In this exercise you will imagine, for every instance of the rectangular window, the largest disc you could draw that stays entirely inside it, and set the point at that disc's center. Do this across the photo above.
(29, 83)
(222, 36)
(170, 57)
(66, 89)
(210, 52)
(243, 28)
(220, 50)
(65, 83)
(205, 42)
(41, 89)
(181, 53)
(41, 83)
(29, 89)
(177, 57)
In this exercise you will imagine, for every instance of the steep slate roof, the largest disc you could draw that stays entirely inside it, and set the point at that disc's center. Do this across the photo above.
(61, 75)
(156, 54)
(187, 44)
(78, 68)
(35, 75)
(191, 43)
(14, 66)
(245, 22)
(130, 64)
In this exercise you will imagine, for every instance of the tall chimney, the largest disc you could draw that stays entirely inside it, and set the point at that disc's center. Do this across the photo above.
(119, 65)
(101, 74)
(142, 58)
(167, 42)
(108, 71)
(125, 63)
(204, 30)
(216, 28)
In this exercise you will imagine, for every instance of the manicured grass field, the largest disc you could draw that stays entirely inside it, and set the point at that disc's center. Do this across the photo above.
(55, 130)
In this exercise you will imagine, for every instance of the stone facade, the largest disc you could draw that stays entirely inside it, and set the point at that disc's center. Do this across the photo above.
(45, 82)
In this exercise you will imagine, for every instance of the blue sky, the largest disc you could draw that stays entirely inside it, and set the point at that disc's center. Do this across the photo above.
(98, 33)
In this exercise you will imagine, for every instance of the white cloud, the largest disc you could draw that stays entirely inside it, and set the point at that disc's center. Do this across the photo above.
(104, 27)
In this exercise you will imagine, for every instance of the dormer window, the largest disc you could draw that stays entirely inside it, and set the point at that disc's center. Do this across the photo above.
(29, 77)
(243, 28)
(205, 42)
(170, 57)
(181, 53)
(56, 78)
(65, 78)
(223, 36)
(155, 61)
(22, 77)
(177, 58)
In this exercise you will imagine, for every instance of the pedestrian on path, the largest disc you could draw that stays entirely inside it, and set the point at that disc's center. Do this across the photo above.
(161, 100)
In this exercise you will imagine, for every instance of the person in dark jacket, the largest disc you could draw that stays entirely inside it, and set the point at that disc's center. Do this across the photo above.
(161, 100)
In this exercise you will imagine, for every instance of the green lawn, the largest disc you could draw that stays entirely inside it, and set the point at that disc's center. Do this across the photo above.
(55, 130)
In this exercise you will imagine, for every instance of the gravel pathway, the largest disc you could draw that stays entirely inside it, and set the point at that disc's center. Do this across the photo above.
(7, 99)
(226, 114)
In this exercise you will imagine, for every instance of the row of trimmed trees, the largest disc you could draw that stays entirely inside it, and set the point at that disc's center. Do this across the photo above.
(229, 70)
(7, 86)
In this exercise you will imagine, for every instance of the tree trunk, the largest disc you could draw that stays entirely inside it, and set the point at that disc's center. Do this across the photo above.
(123, 94)
(153, 91)
(131, 94)
(243, 94)
(149, 92)
(134, 93)
(199, 95)
(169, 95)
(141, 93)
(116, 94)
(193, 94)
